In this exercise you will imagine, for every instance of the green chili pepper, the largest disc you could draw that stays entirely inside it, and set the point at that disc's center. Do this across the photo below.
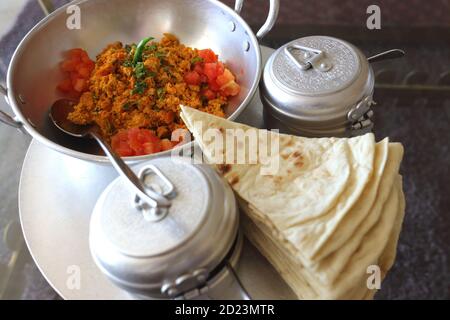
(139, 49)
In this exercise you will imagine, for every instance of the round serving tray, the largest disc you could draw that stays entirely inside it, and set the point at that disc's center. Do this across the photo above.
(56, 196)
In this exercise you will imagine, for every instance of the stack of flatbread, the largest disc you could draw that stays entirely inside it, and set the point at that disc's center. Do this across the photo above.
(325, 212)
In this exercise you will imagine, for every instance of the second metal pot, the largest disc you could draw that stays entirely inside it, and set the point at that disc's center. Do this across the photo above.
(187, 250)
(319, 86)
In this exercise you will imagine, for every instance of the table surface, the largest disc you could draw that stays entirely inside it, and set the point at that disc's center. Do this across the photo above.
(413, 96)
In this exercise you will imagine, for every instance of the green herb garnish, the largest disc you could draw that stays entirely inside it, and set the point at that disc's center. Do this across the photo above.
(140, 72)
(139, 87)
(127, 63)
(129, 105)
(160, 92)
(152, 47)
(196, 59)
(160, 54)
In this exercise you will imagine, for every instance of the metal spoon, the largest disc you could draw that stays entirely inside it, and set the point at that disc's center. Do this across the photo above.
(58, 114)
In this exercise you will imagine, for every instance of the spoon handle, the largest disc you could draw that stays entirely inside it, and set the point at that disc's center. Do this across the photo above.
(390, 54)
(146, 194)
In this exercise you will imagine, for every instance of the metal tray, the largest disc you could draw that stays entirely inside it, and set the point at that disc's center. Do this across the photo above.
(56, 196)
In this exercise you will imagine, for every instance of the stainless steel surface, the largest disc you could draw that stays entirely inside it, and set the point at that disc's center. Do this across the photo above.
(59, 112)
(165, 258)
(106, 21)
(55, 223)
(390, 54)
(310, 85)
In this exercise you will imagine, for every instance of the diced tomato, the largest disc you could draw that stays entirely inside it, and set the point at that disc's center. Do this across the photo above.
(213, 70)
(138, 148)
(230, 89)
(79, 85)
(78, 68)
(84, 56)
(65, 85)
(123, 149)
(126, 151)
(85, 59)
(118, 138)
(142, 141)
(151, 147)
(213, 86)
(89, 64)
(210, 70)
(69, 65)
(198, 68)
(166, 144)
(208, 55)
(224, 78)
(75, 52)
(84, 71)
(208, 94)
(192, 78)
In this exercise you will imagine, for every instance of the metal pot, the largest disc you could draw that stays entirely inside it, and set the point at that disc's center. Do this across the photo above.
(320, 86)
(33, 72)
(186, 251)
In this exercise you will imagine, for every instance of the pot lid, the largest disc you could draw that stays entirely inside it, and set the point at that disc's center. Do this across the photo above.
(315, 81)
(135, 229)
(315, 65)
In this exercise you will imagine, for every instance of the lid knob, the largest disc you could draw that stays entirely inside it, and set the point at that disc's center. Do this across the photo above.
(163, 186)
(312, 58)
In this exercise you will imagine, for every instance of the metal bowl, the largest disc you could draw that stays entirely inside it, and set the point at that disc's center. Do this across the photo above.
(33, 72)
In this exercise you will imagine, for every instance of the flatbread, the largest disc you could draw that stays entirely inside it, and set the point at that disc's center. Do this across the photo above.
(330, 209)
(331, 266)
(352, 283)
(318, 180)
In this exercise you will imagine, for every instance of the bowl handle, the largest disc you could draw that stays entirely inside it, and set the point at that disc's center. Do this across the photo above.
(271, 17)
(4, 117)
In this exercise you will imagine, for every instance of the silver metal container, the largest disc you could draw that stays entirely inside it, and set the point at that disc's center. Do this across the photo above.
(319, 86)
(188, 250)
(33, 72)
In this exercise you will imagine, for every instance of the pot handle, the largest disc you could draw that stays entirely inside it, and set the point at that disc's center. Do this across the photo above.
(46, 6)
(4, 117)
(271, 17)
